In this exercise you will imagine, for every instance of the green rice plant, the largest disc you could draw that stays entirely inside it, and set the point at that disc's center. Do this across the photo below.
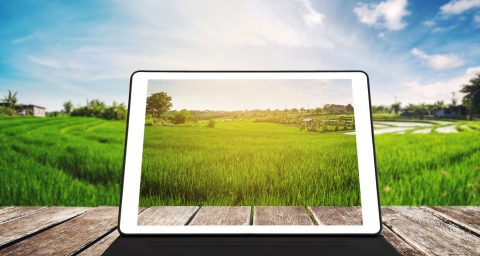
(60, 161)
(248, 163)
(429, 169)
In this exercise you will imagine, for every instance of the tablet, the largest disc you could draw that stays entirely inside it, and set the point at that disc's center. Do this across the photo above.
(249, 152)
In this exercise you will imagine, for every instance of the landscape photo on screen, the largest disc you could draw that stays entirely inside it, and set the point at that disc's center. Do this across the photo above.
(257, 145)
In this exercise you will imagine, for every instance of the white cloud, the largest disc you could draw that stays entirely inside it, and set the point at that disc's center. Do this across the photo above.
(311, 16)
(22, 39)
(476, 19)
(216, 34)
(438, 61)
(238, 23)
(44, 61)
(429, 23)
(416, 91)
(386, 14)
(459, 6)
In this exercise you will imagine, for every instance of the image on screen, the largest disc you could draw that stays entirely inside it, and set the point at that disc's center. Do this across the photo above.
(250, 152)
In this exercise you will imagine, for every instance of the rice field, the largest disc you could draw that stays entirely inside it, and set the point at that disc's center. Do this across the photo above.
(60, 161)
(248, 163)
(78, 161)
(428, 162)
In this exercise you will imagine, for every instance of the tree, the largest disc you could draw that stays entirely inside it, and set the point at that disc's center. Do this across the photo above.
(181, 117)
(116, 111)
(96, 107)
(472, 96)
(211, 123)
(11, 100)
(158, 104)
(396, 107)
(440, 104)
(67, 107)
(454, 100)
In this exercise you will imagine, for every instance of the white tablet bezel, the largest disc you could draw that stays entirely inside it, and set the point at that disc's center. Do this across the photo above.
(134, 146)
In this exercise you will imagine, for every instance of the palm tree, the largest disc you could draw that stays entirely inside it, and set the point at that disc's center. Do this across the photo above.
(68, 107)
(11, 100)
(396, 107)
(472, 98)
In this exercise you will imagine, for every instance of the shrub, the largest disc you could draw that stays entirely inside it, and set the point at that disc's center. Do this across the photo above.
(181, 117)
(211, 123)
(149, 122)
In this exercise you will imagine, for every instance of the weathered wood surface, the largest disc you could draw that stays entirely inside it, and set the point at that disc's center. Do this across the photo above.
(102, 245)
(24, 226)
(69, 237)
(222, 215)
(336, 215)
(167, 215)
(90, 231)
(467, 217)
(12, 212)
(429, 233)
(402, 247)
(280, 215)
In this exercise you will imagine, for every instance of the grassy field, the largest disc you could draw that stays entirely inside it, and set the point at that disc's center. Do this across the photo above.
(248, 163)
(429, 169)
(78, 161)
(60, 161)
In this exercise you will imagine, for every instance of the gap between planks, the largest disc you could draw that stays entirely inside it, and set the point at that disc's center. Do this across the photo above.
(465, 217)
(429, 233)
(397, 236)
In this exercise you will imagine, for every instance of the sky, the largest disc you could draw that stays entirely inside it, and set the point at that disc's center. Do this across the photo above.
(413, 51)
(253, 94)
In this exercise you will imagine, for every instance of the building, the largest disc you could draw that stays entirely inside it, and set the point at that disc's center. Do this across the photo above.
(31, 110)
(27, 110)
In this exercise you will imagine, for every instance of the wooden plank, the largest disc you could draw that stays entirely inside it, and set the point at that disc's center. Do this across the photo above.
(10, 212)
(102, 245)
(16, 229)
(429, 233)
(222, 215)
(158, 215)
(280, 215)
(69, 237)
(336, 215)
(402, 247)
(167, 215)
(468, 217)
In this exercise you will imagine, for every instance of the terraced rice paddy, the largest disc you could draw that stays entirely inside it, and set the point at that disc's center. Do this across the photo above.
(428, 162)
(60, 161)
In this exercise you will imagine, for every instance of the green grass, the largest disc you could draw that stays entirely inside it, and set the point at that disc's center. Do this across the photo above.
(429, 169)
(248, 163)
(78, 161)
(60, 161)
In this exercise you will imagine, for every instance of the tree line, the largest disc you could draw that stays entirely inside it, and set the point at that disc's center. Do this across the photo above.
(159, 105)
(96, 108)
(93, 108)
(470, 106)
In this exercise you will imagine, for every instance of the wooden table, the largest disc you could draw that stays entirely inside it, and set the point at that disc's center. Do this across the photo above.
(89, 231)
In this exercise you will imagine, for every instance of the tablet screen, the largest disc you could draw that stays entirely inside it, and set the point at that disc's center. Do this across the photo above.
(264, 150)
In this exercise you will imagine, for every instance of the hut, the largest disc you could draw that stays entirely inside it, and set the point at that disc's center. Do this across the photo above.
(309, 124)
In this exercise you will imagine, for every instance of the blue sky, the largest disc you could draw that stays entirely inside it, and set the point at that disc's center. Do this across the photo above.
(417, 51)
